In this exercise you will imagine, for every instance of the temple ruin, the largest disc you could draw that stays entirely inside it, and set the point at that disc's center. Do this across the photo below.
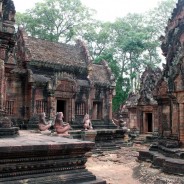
(167, 153)
(42, 76)
(142, 106)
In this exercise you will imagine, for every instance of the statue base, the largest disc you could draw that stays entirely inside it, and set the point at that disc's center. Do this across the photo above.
(6, 128)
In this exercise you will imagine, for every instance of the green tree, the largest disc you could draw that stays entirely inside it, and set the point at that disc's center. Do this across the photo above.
(121, 90)
(158, 17)
(99, 39)
(55, 20)
(135, 48)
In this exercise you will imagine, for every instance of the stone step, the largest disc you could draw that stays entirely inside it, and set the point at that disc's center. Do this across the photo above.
(80, 127)
(169, 152)
(167, 164)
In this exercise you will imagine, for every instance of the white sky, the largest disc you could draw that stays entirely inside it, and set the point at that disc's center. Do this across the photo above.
(107, 10)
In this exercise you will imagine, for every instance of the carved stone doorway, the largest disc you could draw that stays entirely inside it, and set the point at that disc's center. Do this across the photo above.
(149, 120)
(62, 107)
(97, 110)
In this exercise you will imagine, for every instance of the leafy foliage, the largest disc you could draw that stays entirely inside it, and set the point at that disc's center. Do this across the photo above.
(55, 20)
(157, 18)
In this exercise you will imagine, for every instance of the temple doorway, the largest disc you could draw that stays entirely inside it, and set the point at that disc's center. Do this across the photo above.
(61, 107)
(149, 121)
(97, 110)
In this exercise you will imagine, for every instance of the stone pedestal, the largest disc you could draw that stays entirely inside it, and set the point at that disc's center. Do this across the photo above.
(35, 158)
(106, 139)
(89, 135)
(6, 128)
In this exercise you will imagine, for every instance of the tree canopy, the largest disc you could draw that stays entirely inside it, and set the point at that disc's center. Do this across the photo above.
(55, 20)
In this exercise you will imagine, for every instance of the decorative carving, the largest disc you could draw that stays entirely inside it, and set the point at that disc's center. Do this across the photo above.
(149, 80)
(10, 58)
(87, 123)
(132, 100)
(61, 75)
(61, 127)
(8, 10)
(66, 86)
(43, 125)
(180, 97)
(162, 89)
(5, 122)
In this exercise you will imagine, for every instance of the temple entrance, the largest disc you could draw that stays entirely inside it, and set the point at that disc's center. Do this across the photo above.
(97, 110)
(149, 122)
(61, 107)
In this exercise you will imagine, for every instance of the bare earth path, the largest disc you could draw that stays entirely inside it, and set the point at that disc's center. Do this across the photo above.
(121, 167)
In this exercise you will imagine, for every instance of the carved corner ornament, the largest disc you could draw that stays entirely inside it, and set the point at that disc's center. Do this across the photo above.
(180, 97)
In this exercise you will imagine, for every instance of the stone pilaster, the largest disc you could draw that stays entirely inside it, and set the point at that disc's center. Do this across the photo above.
(110, 105)
(155, 119)
(181, 122)
(175, 117)
(1, 85)
(52, 105)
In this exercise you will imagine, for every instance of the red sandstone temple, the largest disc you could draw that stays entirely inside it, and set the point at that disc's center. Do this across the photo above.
(142, 107)
(42, 76)
(159, 107)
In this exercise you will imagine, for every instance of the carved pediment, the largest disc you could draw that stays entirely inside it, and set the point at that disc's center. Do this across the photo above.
(10, 59)
(161, 89)
(66, 86)
(61, 75)
(7, 10)
(178, 83)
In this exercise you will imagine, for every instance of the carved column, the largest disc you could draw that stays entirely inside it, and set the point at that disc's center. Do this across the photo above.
(2, 78)
(181, 122)
(175, 117)
(73, 109)
(155, 119)
(90, 101)
(51, 106)
(110, 104)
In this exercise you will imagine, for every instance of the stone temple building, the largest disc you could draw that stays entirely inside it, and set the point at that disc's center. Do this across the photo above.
(142, 106)
(170, 90)
(167, 152)
(160, 106)
(43, 76)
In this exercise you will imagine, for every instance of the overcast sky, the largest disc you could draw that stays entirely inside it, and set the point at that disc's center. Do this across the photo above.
(107, 10)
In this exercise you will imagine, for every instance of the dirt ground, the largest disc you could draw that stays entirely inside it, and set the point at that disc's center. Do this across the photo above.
(121, 167)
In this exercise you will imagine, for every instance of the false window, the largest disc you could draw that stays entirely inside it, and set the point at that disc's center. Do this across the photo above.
(80, 108)
(41, 106)
(9, 107)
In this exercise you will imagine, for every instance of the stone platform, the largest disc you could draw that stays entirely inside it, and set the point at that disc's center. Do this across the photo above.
(36, 158)
(105, 139)
(165, 155)
(5, 132)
